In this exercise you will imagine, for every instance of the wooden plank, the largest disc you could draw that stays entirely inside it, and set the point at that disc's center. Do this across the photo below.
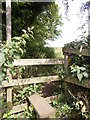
(27, 81)
(42, 108)
(16, 109)
(85, 52)
(73, 80)
(8, 39)
(9, 90)
(22, 62)
(9, 95)
(15, 82)
(8, 21)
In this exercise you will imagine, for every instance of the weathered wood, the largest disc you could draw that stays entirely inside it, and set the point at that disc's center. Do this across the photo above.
(42, 108)
(15, 82)
(22, 62)
(89, 21)
(73, 80)
(1, 101)
(9, 95)
(8, 21)
(9, 90)
(85, 52)
(27, 81)
(65, 62)
(8, 39)
(17, 108)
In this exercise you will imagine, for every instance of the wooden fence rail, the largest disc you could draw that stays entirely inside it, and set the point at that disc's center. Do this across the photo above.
(25, 62)
(75, 81)
(85, 52)
(28, 81)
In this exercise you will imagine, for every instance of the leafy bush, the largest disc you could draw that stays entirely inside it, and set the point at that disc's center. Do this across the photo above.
(80, 72)
(14, 50)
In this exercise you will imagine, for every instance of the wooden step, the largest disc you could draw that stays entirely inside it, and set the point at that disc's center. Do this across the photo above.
(41, 106)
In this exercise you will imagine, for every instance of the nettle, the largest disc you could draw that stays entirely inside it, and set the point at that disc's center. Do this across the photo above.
(14, 50)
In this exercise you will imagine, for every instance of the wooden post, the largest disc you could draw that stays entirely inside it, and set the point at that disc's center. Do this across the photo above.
(89, 48)
(8, 39)
(9, 90)
(1, 107)
(65, 61)
(89, 21)
(8, 21)
(89, 27)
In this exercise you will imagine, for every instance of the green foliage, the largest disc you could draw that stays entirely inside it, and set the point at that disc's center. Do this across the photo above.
(20, 93)
(44, 21)
(62, 109)
(71, 103)
(61, 72)
(79, 64)
(26, 114)
(14, 50)
(82, 41)
(19, 96)
(80, 104)
(80, 72)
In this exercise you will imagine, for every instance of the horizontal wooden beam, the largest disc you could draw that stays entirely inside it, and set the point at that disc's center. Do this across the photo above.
(16, 109)
(73, 80)
(22, 62)
(85, 52)
(27, 81)
(19, 108)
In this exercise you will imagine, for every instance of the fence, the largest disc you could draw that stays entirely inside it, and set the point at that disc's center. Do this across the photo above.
(26, 81)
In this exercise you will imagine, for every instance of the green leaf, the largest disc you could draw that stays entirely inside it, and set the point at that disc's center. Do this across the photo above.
(24, 31)
(78, 71)
(80, 76)
(5, 115)
(85, 74)
(11, 52)
(82, 68)
(16, 38)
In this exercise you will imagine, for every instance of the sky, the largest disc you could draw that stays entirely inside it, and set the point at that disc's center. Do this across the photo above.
(70, 28)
